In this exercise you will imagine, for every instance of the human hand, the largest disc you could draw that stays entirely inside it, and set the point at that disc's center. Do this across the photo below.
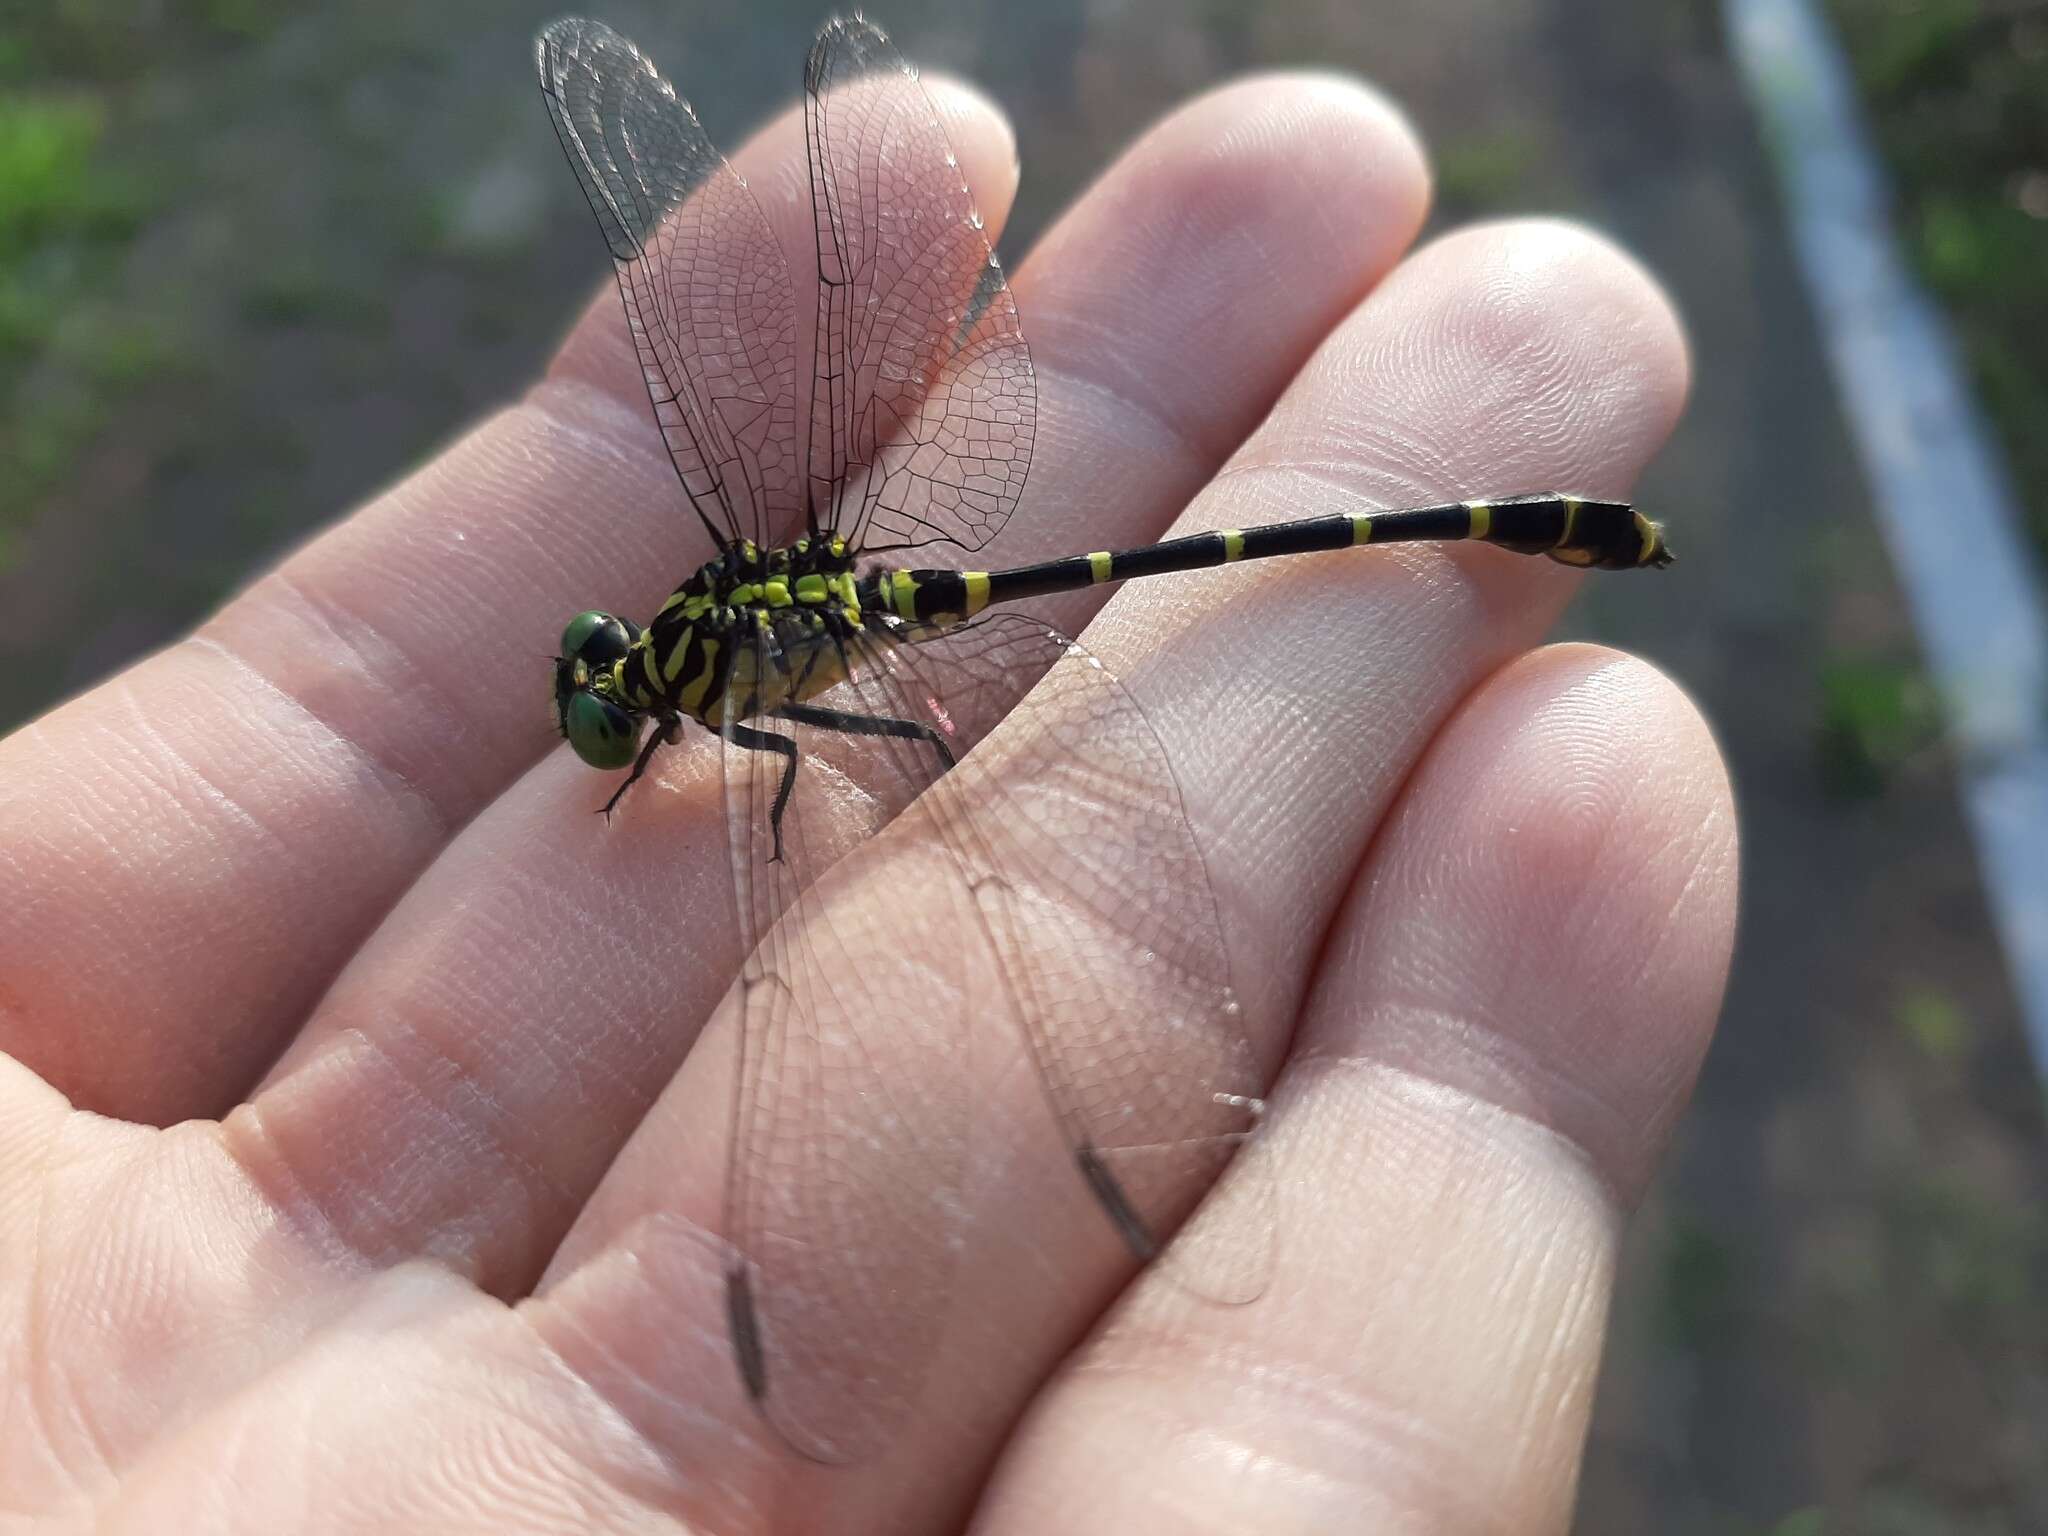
(429, 1240)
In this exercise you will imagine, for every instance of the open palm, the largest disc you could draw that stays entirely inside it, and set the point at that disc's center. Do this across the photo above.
(362, 1141)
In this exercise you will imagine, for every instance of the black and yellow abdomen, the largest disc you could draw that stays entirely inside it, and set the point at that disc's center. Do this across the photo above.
(1573, 530)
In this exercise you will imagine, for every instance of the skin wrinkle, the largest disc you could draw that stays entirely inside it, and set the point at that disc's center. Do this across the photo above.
(1314, 954)
(246, 1141)
(1489, 335)
(1521, 1063)
(1559, 1398)
(151, 776)
(632, 447)
(214, 793)
(496, 1460)
(1207, 194)
(565, 404)
(381, 769)
(1380, 1448)
(469, 604)
(1316, 1059)
(268, 1161)
(566, 425)
(181, 766)
(1541, 1084)
(42, 1380)
(47, 1378)
(1071, 385)
(540, 1317)
(552, 912)
(223, 1415)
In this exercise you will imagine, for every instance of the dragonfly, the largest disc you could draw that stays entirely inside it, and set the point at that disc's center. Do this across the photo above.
(871, 692)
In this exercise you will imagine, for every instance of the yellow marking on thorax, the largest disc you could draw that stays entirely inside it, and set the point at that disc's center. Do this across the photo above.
(808, 670)
(691, 699)
(678, 655)
(773, 592)
(1482, 519)
(616, 682)
(1099, 565)
(1361, 530)
(1233, 544)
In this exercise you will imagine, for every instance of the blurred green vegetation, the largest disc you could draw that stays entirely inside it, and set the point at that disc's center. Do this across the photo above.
(221, 218)
(1702, 1287)
(65, 349)
(1877, 713)
(1958, 93)
(1936, 1024)
(1483, 172)
(81, 182)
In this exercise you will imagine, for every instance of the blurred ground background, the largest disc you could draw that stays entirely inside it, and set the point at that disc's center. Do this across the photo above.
(256, 259)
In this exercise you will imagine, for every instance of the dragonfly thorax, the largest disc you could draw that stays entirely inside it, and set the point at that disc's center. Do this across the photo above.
(752, 629)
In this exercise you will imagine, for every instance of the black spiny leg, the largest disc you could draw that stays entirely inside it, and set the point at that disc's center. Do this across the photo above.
(767, 741)
(868, 725)
(664, 733)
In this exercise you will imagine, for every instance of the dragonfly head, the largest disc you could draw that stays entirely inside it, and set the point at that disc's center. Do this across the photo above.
(602, 728)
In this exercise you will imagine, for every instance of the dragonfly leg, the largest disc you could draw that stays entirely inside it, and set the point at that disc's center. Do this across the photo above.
(664, 733)
(768, 741)
(868, 725)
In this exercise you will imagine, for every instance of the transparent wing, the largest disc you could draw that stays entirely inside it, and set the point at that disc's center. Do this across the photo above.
(1095, 904)
(923, 404)
(849, 1107)
(702, 277)
(1053, 880)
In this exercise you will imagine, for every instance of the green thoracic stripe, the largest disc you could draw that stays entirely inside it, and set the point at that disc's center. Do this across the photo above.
(1568, 528)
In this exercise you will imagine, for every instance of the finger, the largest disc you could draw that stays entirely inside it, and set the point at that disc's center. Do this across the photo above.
(1520, 990)
(1294, 698)
(191, 850)
(594, 953)
(1512, 357)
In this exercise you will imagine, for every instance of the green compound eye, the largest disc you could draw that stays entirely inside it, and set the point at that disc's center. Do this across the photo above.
(596, 639)
(603, 734)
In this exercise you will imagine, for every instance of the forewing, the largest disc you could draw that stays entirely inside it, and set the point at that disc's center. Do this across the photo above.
(701, 274)
(923, 407)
